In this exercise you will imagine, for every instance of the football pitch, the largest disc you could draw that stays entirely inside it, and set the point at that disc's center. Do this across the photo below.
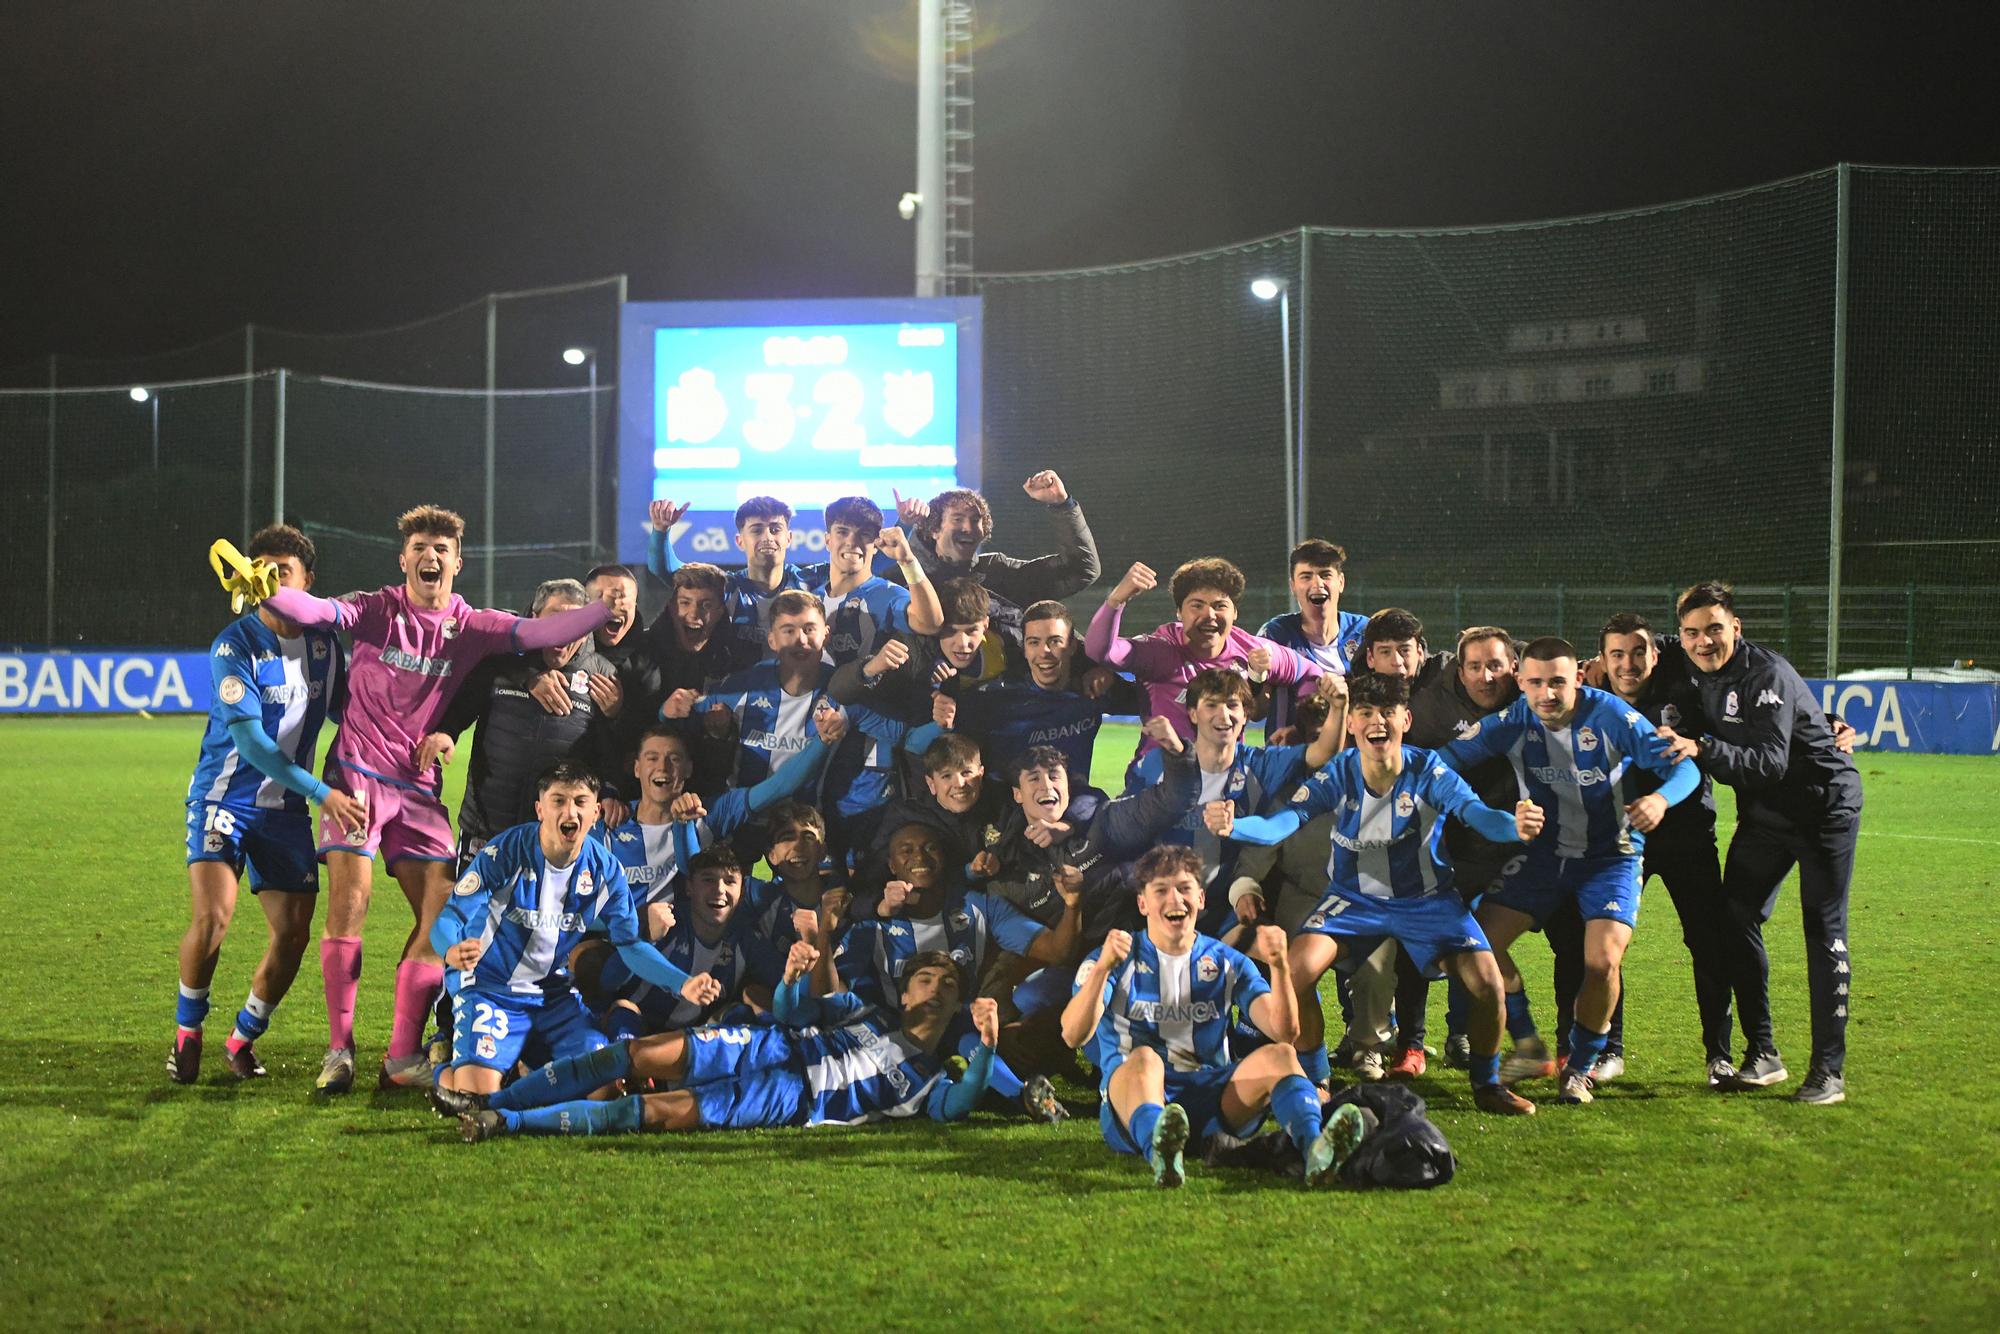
(129, 1202)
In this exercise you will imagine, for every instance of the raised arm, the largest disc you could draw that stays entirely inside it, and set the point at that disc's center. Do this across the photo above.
(1071, 568)
(1086, 1007)
(534, 632)
(1102, 641)
(302, 608)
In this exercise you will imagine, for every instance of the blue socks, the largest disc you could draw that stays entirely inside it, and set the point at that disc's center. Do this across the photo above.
(560, 1081)
(1002, 1080)
(621, 1116)
(253, 1019)
(1520, 1023)
(1485, 1070)
(191, 1007)
(1318, 1069)
(1295, 1103)
(1585, 1047)
(1144, 1119)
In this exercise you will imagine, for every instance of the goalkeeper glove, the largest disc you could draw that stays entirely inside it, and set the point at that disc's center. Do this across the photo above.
(247, 581)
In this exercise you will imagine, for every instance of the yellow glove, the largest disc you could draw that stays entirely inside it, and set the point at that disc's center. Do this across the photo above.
(248, 582)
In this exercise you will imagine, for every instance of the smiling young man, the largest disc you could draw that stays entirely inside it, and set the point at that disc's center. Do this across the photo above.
(1575, 752)
(275, 684)
(832, 1060)
(413, 643)
(1319, 629)
(1205, 636)
(1388, 874)
(511, 924)
(1158, 1010)
(689, 638)
(861, 606)
(764, 536)
(711, 935)
(1798, 803)
(952, 526)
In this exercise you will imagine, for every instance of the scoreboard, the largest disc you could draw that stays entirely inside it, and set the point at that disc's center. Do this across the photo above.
(803, 400)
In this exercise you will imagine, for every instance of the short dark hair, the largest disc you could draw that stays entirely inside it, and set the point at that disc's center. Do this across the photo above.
(1206, 572)
(796, 602)
(1047, 610)
(663, 731)
(701, 576)
(797, 814)
(614, 570)
(923, 959)
(1707, 593)
(1623, 623)
(1215, 683)
(719, 857)
(1316, 552)
(927, 527)
(1548, 648)
(964, 600)
(953, 748)
(1377, 690)
(762, 507)
(1167, 859)
(1040, 757)
(856, 512)
(1473, 634)
(1391, 625)
(281, 539)
(567, 771)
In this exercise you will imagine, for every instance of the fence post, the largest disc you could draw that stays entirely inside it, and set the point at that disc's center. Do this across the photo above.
(1457, 608)
(492, 538)
(617, 341)
(1843, 201)
(249, 419)
(1910, 632)
(278, 455)
(1305, 371)
(1788, 624)
(49, 593)
(1562, 608)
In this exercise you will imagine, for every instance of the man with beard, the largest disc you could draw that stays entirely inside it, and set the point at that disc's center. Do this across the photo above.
(1318, 630)
(952, 526)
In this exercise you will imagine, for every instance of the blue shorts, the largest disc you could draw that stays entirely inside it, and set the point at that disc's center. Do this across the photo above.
(1199, 1092)
(276, 845)
(494, 1031)
(1428, 927)
(742, 1076)
(1603, 888)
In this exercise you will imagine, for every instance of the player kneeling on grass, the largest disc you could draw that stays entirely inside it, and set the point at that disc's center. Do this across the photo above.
(1158, 1008)
(835, 1061)
(1388, 874)
(511, 923)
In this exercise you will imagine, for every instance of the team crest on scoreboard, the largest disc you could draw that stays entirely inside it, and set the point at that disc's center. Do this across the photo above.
(1206, 968)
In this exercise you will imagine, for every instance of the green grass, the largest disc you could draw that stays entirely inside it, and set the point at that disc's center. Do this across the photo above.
(128, 1202)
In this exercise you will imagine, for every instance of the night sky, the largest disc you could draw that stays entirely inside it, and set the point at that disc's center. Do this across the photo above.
(170, 170)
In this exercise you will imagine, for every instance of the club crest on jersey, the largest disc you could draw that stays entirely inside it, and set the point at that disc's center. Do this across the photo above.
(450, 627)
(586, 884)
(1406, 805)
(1303, 794)
(1632, 718)
(231, 690)
(1238, 780)
(961, 921)
(1206, 968)
(992, 836)
(319, 648)
(1729, 705)
(579, 683)
(1586, 739)
(212, 843)
(488, 1048)
(467, 883)
(1670, 716)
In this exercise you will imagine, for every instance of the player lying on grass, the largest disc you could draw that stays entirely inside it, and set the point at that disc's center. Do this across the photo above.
(413, 643)
(1158, 1011)
(275, 684)
(511, 923)
(1388, 874)
(831, 1060)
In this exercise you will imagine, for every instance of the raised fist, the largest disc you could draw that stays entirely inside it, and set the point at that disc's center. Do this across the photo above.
(1220, 817)
(893, 654)
(944, 710)
(800, 960)
(829, 721)
(1117, 946)
(1528, 820)
(1069, 885)
(1139, 579)
(1258, 661)
(894, 895)
(678, 705)
(1269, 945)
(701, 989)
(895, 546)
(986, 1020)
(687, 806)
(1161, 730)
(1046, 487)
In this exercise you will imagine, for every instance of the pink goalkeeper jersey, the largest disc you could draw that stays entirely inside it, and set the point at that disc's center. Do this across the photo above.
(1163, 663)
(405, 666)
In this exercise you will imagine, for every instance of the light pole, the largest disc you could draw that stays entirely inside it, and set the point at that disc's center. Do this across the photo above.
(1266, 289)
(141, 394)
(587, 356)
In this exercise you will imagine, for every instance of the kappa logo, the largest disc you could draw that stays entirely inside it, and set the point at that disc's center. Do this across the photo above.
(1142, 968)
(1632, 718)
(1768, 697)
(1206, 968)
(468, 883)
(898, 930)
(1439, 771)
(231, 691)
(224, 651)
(627, 836)
(1586, 739)
(1406, 805)
(762, 702)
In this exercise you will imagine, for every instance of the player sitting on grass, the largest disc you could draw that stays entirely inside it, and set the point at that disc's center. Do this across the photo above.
(275, 684)
(413, 643)
(1388, 873)
(796, 854)
(834, 1061)
(1159, 1010)
(1576, 752)
(511, 923)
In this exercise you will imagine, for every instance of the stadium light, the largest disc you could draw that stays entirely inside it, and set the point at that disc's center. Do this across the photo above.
(587, 356)
(1267, 289)
(140, 394)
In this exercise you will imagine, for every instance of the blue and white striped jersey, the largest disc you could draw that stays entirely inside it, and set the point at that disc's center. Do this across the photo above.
(746, 605)
(1256, 783)
(1177, 1004)
(858, 1066)
(1581, 775)
(1289, 630)
(739, 958)
(875, 950)
(855, 619)
(1389, 846)
(289, 686)
(655, 855)
(772, 728)
(531, 915)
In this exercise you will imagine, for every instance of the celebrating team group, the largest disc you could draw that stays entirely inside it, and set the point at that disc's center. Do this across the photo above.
(902, 736)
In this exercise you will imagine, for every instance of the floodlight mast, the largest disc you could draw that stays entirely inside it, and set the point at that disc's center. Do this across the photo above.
(941, 205)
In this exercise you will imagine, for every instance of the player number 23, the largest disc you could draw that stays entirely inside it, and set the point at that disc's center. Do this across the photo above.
(487, 1020)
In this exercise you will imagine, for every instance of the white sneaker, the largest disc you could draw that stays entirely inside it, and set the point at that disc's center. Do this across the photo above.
(1609, 1066)
(407, 1071)
(1575, 1087)
(1722, 1074)
(336, 1072)
(1530, 1059)
(1368, 1065)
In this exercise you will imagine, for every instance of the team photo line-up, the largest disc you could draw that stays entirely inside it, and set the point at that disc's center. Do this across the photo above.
(903, 736)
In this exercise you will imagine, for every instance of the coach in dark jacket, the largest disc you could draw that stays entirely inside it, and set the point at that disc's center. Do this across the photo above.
(1798, 801)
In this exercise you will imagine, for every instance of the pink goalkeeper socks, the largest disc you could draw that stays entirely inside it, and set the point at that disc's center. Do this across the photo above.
(417, 987)
(340, 965)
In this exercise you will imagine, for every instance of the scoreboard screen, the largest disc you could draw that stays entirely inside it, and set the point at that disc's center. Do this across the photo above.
(803, 400)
